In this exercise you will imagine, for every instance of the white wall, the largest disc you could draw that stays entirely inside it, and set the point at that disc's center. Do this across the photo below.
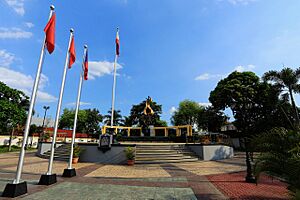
(17, 140)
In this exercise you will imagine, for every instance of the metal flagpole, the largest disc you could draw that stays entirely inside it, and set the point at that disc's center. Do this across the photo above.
(32, 102)
(113, 93)
(59, 106)
(76, 111)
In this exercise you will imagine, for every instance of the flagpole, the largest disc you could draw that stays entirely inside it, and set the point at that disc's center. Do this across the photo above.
(45, 179)
(17, 188)
(69, 172)
(114, 82)
(32, 102)
(113, 93)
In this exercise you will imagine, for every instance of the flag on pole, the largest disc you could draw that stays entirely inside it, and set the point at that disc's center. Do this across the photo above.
(117, 44)
(50, 33)
(86, 65)
(72, 57)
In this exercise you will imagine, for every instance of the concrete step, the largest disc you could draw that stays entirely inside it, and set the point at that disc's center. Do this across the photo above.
(165, 158)
(164, 161)
(162, 155)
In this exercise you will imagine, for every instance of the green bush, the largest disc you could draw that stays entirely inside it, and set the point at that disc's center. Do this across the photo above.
(130, 153)
(280, 156)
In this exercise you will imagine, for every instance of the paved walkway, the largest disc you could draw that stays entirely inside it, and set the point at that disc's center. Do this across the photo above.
(195, 180)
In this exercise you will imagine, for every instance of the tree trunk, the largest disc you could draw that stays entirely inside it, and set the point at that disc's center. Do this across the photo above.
(249, 177)
(11, 138)
(294, 106)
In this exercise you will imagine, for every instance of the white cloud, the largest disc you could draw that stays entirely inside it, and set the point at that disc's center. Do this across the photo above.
(29, 24)
(101, 68)
(13, 33)
(172, 110)
(24, 83)
(17, 6)
(6, 58)
(45, 97)
(205, 104)
(81, 103)
(237, 2)
(242, 68)
(207, 76)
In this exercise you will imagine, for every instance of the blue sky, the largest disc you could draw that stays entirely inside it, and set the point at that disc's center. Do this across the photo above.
(171, 50)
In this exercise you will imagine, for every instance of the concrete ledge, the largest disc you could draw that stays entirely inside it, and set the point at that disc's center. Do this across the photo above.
(91, 153)
(212, 151)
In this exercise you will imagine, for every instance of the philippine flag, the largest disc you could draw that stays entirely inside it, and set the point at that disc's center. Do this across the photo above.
(117, 44)
(86, 65)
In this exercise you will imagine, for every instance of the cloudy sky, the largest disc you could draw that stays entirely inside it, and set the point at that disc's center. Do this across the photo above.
(171, 50)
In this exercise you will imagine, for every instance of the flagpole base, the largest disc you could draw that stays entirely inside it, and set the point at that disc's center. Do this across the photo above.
(69, 172)
(47, 179)
(15, 189)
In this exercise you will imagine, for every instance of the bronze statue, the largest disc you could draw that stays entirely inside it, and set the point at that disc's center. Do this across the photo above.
(148, 110)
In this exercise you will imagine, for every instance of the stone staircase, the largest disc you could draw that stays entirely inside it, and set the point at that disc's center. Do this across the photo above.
(163, 153)
(61, 153)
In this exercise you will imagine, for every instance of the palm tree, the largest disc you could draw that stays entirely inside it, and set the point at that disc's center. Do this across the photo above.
(118, 119)
(286, 79)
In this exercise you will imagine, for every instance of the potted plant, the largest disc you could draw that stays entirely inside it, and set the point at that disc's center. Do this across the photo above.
(130, 155)
(76, 153)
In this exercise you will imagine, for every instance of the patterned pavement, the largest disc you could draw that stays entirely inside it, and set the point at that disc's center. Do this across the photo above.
(194, 180)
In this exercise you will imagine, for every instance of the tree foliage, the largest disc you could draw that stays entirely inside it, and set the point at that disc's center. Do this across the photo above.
(191, 113)
(187, 113)
(286, 80)
(88, 120)
(280, 156)
(118, 119)
(13, 107)
(253, 103)
(211, 119)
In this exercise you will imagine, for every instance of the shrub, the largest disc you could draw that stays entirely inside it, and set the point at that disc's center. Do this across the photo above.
(130, 153)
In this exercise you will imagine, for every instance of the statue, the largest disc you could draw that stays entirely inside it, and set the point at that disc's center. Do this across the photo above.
(148, 110)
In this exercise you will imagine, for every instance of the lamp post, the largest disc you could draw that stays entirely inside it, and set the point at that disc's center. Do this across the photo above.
(45, 108)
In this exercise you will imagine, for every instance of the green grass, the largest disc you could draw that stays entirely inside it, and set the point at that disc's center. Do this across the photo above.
(14, 148)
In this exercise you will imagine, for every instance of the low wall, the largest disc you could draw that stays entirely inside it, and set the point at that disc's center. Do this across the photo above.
(45, 146)
(17, 140)
(212, 152)
(115, 155)
(92, 153)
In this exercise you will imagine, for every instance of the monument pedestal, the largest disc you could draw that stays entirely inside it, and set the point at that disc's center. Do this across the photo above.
(152, 131)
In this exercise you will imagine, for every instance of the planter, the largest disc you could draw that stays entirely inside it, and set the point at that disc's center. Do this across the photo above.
(130, 162)
(75, 160)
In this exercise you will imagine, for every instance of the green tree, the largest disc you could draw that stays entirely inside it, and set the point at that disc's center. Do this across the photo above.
(211, 119)
(286, 79)
(13, 108)
(138, 118)
(187, 113)
(252, 103)
(87, 121)
(118, 119)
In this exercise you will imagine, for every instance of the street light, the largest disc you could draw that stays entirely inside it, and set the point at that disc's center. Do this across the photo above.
(45, 108)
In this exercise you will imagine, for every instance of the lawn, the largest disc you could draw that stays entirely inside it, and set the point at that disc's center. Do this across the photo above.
(4, 148)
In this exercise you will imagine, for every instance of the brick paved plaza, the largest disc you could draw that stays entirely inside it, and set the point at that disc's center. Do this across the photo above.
(190, 180)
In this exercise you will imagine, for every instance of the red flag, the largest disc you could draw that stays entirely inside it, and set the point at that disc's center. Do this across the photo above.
(117, 44)
(72, 53)
(50, 34)
(86, 65)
